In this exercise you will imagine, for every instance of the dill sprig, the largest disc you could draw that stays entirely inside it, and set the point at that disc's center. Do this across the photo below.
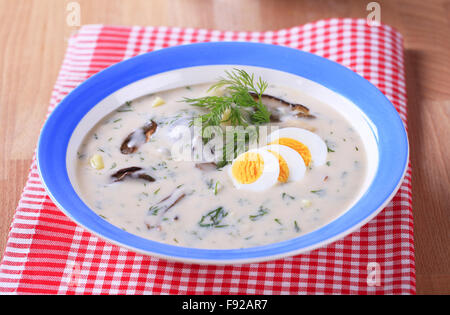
(238, 106)
(261, 212)
(213, 218)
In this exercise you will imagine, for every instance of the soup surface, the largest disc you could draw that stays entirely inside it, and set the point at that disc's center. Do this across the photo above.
(150, 193)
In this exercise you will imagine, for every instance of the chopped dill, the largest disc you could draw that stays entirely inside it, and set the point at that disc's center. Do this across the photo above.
(213, 218)
(285, 196)
(297, 228)
(216, 188)
(261, 212)
(319, 192)
(153, 210)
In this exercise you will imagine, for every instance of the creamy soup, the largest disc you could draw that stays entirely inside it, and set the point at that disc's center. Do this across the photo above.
(128, 175)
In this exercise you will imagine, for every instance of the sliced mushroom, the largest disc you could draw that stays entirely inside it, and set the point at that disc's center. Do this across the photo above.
(273, 103)
(138, 137)
(133, 172)
(207, 166)
(157, 211)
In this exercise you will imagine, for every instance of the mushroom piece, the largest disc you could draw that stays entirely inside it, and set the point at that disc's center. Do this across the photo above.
(206, 166)
(138, 137)
(273, 103)
(157, 211)
(133, 172)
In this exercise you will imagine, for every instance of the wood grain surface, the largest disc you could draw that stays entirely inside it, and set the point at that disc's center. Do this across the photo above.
(33, 37)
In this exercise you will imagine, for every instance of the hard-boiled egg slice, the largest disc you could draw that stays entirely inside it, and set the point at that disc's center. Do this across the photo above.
(292, 166)
(309, 145)
(254, 170)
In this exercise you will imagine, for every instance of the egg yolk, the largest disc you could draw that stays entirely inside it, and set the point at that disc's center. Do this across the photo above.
(297, 146)
(284, 169)
(248, 167)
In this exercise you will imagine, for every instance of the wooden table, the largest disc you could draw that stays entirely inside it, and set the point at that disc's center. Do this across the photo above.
(34, 35)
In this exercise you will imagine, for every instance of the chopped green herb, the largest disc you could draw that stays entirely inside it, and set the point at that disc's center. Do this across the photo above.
(216, 188)
(113, 165)
(319, 192)
(153, 210)
(117, 120)
(261, 212)
(222, 164)
(162, 165)
(213, 218)
(157, 191)
(328, 163)
(125, 108)
(278, 221)
(297, 228)
(285, 196)
(210, 183)
(330, 147)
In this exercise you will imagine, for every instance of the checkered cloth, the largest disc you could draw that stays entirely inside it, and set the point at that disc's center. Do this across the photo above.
(47, 253)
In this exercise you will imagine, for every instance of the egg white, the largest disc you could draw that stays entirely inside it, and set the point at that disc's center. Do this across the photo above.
(294, 161)
(317, 147)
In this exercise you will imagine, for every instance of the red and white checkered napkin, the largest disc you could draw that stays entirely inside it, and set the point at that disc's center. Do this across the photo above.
(48, 253)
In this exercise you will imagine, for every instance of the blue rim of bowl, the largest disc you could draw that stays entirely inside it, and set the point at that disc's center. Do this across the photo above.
(390, 135)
